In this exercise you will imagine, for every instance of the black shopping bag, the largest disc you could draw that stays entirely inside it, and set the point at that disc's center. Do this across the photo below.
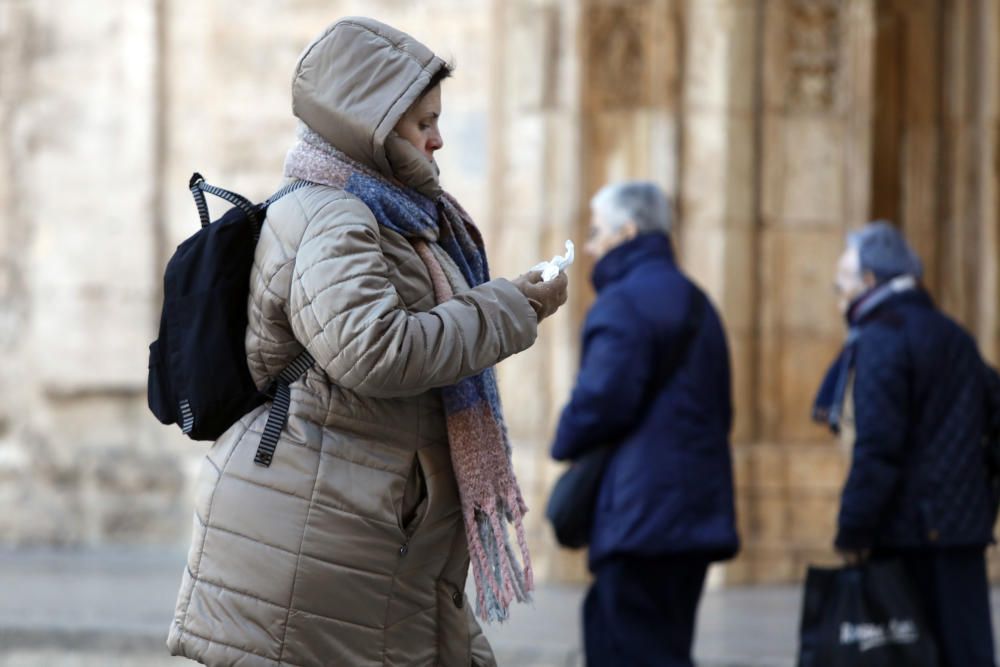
(864, 616)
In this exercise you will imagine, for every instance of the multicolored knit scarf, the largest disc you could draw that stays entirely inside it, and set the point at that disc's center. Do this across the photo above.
(477, 436)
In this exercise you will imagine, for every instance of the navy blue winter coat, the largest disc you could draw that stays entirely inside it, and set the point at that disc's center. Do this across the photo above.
(918, 475)
(668, 487)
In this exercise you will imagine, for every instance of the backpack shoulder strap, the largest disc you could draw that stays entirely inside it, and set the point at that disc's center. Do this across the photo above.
(281, 400)
(288, 189)
(280, 389)
(199, 187)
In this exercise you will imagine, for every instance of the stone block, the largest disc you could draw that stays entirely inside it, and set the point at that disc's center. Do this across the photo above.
(89, 269)
(803, 172)
(619, 142)
(767, 516)
(717, 187)
(742, 351)
(745, 512)
(772, 564)
(770, 467)
(721, 41)
(812, 517)
(821, 467)
(798, 284)
(723, 263)
(803, 363)
(743, 469)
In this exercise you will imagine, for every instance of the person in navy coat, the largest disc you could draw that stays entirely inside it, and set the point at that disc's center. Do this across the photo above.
(654, 384)
(918, 407)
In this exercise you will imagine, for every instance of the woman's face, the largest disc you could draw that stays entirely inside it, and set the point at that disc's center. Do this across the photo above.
(419, 125)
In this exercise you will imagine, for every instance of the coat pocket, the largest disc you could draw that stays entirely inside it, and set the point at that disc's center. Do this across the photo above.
(412, 506)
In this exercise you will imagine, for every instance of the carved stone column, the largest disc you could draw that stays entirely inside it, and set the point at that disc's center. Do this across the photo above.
(719, 191)
(534, 200)
(814, 114)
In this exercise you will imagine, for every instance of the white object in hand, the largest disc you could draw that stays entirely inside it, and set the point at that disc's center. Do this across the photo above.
(559, 263)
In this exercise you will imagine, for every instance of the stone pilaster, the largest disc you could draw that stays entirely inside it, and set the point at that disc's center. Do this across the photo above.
(80, 457)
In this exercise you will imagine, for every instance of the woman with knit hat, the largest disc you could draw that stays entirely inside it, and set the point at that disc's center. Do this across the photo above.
(353, 547)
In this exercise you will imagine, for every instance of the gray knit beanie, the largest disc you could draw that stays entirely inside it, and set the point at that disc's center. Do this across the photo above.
(884, 251)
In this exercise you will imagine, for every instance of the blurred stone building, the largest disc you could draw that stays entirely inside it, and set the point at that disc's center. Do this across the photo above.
(776, 124)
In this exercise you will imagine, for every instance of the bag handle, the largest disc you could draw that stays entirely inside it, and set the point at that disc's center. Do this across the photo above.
(199, 187)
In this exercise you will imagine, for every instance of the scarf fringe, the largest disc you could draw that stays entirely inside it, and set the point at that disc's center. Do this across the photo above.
(499, 575)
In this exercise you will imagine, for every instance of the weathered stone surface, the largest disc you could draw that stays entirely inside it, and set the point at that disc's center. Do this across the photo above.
(776, 127)
(803, 170)
(800, 282)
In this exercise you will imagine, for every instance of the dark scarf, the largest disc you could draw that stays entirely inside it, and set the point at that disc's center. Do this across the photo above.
(829, 405)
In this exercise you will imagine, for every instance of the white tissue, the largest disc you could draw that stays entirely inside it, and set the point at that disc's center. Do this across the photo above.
(559, 263)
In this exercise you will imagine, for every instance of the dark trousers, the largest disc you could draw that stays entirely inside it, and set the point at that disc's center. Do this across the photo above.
(641, 611)
(953, 588)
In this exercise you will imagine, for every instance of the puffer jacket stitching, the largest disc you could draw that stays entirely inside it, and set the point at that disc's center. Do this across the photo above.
(348, 380)
(316, 476)
(240, 535)
(260, 334)
(390, 107)
(302, 539)
(309, 218)
(240, 649)
(388, 604)
(283, 300)
(378, 313)
(410, 616)
(236, 591)
(341, 280)
(321, 505)
(397, 46)
(327, 454)
(204, 536)
(270, 281)
(340, 621)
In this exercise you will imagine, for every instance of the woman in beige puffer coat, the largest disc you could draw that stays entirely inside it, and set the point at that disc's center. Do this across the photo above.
(352, 547)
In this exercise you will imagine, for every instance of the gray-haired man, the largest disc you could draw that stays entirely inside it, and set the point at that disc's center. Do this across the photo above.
(653, 385)
(914, 397)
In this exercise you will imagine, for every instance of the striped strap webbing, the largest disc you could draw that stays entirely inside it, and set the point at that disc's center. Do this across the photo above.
(279, 407)
(199, 187)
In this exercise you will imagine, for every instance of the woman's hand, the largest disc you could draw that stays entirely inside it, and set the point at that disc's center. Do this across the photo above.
(544, 297)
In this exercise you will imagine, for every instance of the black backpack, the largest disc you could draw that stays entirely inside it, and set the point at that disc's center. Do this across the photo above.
(198, 373)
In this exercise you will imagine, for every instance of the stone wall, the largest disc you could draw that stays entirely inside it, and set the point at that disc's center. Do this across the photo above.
(776, 125)
(80, 459)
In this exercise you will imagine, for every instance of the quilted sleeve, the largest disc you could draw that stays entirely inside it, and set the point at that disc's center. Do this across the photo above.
(881, 416)
(615, 370)
(345, 310)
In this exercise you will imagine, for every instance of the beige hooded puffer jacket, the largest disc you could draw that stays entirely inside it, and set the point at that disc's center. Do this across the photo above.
(349, 549)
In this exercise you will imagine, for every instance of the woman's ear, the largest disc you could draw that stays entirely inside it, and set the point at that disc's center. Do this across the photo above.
(869, 279)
